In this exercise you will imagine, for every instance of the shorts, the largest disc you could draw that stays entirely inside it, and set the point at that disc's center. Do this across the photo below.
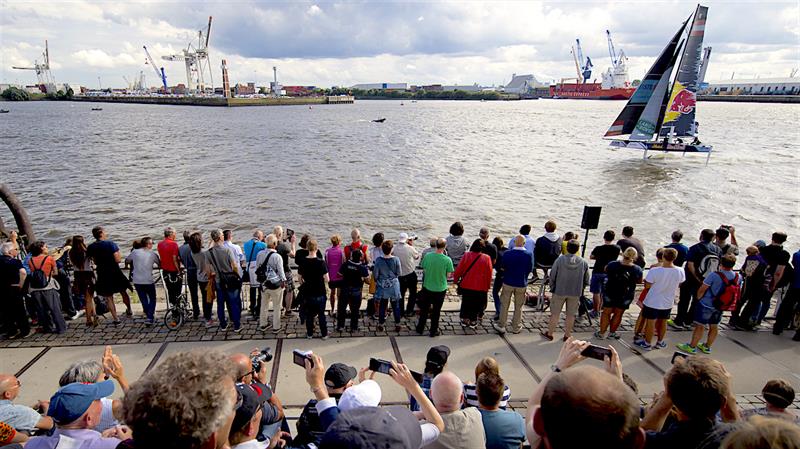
(596, 284)
(336, 284)
(650, 313)
(557, 302)
(704, 314)
(616, 303)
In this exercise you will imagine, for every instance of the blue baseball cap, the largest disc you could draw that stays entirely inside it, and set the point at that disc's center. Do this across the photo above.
(71, 401)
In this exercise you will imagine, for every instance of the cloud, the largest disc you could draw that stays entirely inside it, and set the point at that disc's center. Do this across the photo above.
(327, 42)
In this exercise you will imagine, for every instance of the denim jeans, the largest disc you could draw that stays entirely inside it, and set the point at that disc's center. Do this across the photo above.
(350, 297)
(498, 285)
(147, 296)
(232, 299)
(315, 305)
(384, 302)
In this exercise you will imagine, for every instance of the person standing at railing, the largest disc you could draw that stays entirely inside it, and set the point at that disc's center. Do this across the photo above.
(144, 259)
(169, 252)
(110, 278)
(251, 249)
(185, 252)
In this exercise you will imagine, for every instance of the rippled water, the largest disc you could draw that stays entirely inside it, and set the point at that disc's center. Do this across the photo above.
(137, 168)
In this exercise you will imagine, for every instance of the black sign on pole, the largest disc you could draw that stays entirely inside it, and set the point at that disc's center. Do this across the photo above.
(590, 220)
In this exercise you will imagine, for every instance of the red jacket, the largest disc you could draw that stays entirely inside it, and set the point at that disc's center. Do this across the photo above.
(479, 277)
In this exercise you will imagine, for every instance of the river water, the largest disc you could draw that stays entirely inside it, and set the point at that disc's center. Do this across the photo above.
(323, 170)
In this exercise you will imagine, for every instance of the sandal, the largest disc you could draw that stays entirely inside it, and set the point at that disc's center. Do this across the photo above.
(547, 336)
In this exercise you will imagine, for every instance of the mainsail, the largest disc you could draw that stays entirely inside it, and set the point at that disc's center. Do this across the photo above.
(679, 115)
(628, 120)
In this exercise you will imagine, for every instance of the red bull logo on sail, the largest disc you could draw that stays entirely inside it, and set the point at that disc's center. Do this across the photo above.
(683, 102)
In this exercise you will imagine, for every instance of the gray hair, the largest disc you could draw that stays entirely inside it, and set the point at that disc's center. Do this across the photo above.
(6, 248)
(85, 371)
(182, 401)
(168, 231)
(257, 233)
(216, 235)
(272, 241)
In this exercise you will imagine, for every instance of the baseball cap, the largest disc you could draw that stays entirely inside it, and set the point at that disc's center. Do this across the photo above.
(436, 358)
(253, 398)
(339, 374)
(373, 428)
(71, 401)
(402, 237)
(365, 394)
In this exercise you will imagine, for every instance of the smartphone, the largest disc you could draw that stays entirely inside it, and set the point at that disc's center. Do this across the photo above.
(289, 233)
(596, 352)
(300, 357)
(678, 355)
(383, 367)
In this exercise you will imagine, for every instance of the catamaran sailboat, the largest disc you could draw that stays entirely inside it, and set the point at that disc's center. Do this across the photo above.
(661, 115)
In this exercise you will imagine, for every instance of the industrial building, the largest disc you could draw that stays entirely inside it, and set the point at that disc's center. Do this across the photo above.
(760, 86)
(381, 86)
(523, 84)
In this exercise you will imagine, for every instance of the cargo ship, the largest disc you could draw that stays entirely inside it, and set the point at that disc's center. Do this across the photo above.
(614, 85)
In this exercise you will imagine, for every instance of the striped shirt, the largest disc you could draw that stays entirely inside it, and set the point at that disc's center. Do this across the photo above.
(471, 396)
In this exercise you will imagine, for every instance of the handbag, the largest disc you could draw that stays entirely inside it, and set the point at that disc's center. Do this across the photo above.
(263, 278)
(460, 290)
(228, 280)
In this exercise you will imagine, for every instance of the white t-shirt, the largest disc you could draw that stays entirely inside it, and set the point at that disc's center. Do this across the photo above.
(143, 261)
(665, 285)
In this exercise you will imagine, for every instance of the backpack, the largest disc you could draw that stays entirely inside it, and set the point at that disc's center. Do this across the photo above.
(546, 251)
(38, 278)
(708, 264)
(730, 293)
(261, 275)
(618, 283)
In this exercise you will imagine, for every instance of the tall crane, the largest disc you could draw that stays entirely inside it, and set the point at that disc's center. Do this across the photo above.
(577, 65)
(586, 69)
(161, 74)
(195, 58)
(611, 51)
(47, 83)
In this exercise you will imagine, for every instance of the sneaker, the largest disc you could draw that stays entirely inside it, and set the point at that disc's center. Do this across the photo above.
(224, 328)
(263, 328)
(237, 329)
(80, 313)
(638, 337)
(660, 345)
(671, 323)
(516, 330)
(436, 334)
(277, 329)
(309, 337)
(149, 323)
(613, 335)
(381, 328)
(129, 312)
(339, 329)
(500, 329)
(210, 323)
(686, 348)
(473, 325)
(705, 349)
(643, 345)
(796, 336)
(547, 335)
(116, 322)
(324, 337)
(598, 335)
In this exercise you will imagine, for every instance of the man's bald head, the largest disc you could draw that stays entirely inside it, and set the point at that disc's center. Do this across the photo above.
(243, 365)
(8, 386)
(447, 392)
(607, 410)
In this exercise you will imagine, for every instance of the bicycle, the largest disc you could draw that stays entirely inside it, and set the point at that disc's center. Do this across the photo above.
(178, 312)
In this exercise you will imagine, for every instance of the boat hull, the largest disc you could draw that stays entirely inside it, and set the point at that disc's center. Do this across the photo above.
(590, 91)
(659, 146)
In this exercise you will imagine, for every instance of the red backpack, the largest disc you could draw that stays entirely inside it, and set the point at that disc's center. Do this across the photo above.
(730, 293)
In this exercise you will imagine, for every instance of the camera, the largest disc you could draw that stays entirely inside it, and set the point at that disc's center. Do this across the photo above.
(264, 356)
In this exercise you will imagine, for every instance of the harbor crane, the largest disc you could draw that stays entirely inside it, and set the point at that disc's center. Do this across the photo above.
(586, 69)
(47, 84)
(161, 75)
(195, 58)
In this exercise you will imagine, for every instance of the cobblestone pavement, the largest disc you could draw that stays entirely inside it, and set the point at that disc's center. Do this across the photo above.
(135, 330)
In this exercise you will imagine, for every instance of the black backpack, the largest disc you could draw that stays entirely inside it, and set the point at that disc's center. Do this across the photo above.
(38, 278)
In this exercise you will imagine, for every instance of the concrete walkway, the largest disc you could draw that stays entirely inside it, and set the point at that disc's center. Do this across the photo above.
(39, 360)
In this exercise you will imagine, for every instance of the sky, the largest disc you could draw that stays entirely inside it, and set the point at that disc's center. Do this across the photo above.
(341, 43)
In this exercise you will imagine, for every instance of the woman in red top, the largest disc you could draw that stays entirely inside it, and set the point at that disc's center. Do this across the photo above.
(474, 277)
(43, 289)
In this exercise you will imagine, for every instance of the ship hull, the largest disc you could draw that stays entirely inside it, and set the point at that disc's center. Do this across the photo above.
(591, 91)
(660, 146)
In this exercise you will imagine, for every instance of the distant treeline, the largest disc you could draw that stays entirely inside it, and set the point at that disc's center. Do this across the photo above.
(17, 94)
(420, 94)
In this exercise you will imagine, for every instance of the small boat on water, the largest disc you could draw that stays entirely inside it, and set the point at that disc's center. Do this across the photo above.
(379, 120)
(661, 113)
(97, 109)
(4, 111)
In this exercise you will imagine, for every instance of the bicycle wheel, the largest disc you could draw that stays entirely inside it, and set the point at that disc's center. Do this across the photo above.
(173, 318)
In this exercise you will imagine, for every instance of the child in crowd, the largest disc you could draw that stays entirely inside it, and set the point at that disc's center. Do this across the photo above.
(638, 329)
(485, 365)
(663, 282)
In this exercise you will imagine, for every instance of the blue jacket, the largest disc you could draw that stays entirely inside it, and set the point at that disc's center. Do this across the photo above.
(517, 265)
